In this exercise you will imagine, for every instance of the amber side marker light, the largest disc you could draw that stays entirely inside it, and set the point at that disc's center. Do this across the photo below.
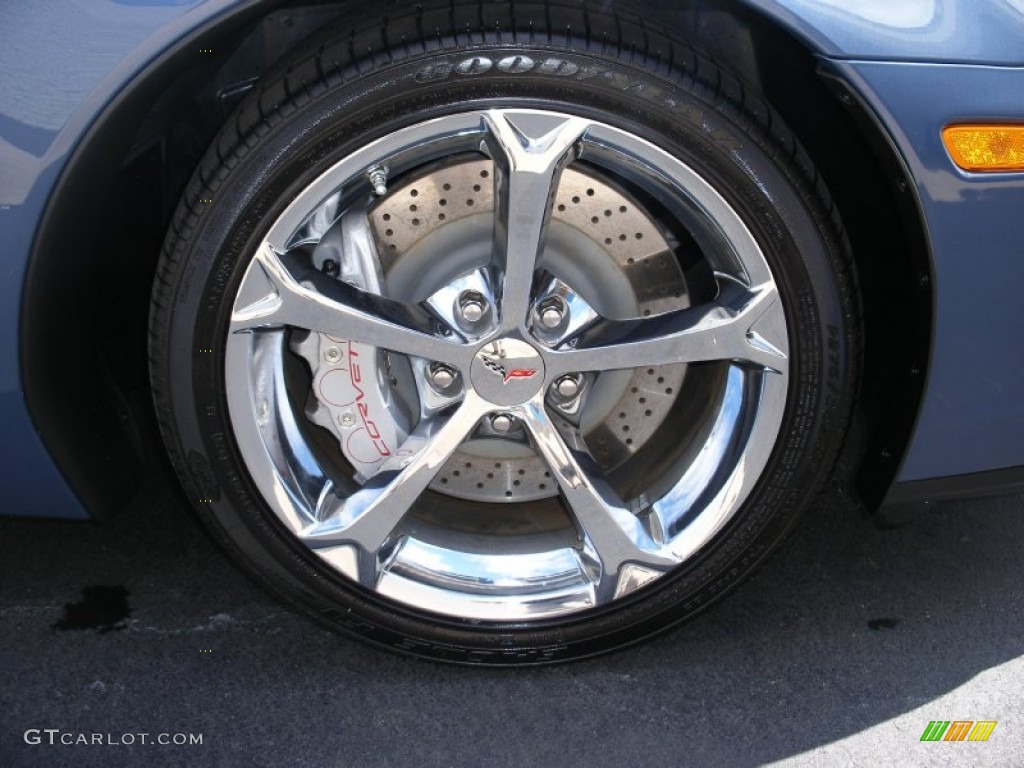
(986, 148)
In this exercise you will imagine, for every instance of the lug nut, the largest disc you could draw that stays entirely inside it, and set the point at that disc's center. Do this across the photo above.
(332, 354)
(551, 312)
(472, 311)
(502, 423)
(551, 317)
(472, 306)
(441, 376)
(568, 386)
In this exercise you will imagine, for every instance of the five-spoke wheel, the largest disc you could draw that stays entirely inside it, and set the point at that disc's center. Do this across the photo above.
(508, 352)
(514, 357)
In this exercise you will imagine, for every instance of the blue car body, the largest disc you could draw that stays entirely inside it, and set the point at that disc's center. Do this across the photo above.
(72, 72)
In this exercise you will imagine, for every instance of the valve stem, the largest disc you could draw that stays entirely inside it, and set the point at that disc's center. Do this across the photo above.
(379, 180)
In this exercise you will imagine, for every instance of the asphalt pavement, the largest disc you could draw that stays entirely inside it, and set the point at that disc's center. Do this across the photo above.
(839, 651)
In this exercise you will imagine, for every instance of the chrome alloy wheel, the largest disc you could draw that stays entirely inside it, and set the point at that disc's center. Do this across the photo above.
(507, 365)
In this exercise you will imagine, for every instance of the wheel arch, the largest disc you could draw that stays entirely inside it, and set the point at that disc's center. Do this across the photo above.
(872, 186)
(97, 430)
(133, 161)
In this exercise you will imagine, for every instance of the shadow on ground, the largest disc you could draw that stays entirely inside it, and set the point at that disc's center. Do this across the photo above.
(847, 627)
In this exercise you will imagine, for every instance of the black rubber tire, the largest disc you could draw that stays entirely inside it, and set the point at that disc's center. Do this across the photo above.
(352, 84)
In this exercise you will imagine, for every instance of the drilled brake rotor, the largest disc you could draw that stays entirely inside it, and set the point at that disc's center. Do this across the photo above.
(413, 214)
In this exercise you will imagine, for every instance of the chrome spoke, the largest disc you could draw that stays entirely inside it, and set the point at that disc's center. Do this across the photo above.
(743, 325)
(368, 517)
(529, 151)
(614, 533)
(284, 291)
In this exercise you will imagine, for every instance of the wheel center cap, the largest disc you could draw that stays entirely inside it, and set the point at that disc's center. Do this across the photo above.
(507, 372)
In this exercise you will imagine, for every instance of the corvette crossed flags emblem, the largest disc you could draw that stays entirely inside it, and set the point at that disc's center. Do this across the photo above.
(505, 373)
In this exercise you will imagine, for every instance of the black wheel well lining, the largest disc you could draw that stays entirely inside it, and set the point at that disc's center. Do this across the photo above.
(116, 196)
